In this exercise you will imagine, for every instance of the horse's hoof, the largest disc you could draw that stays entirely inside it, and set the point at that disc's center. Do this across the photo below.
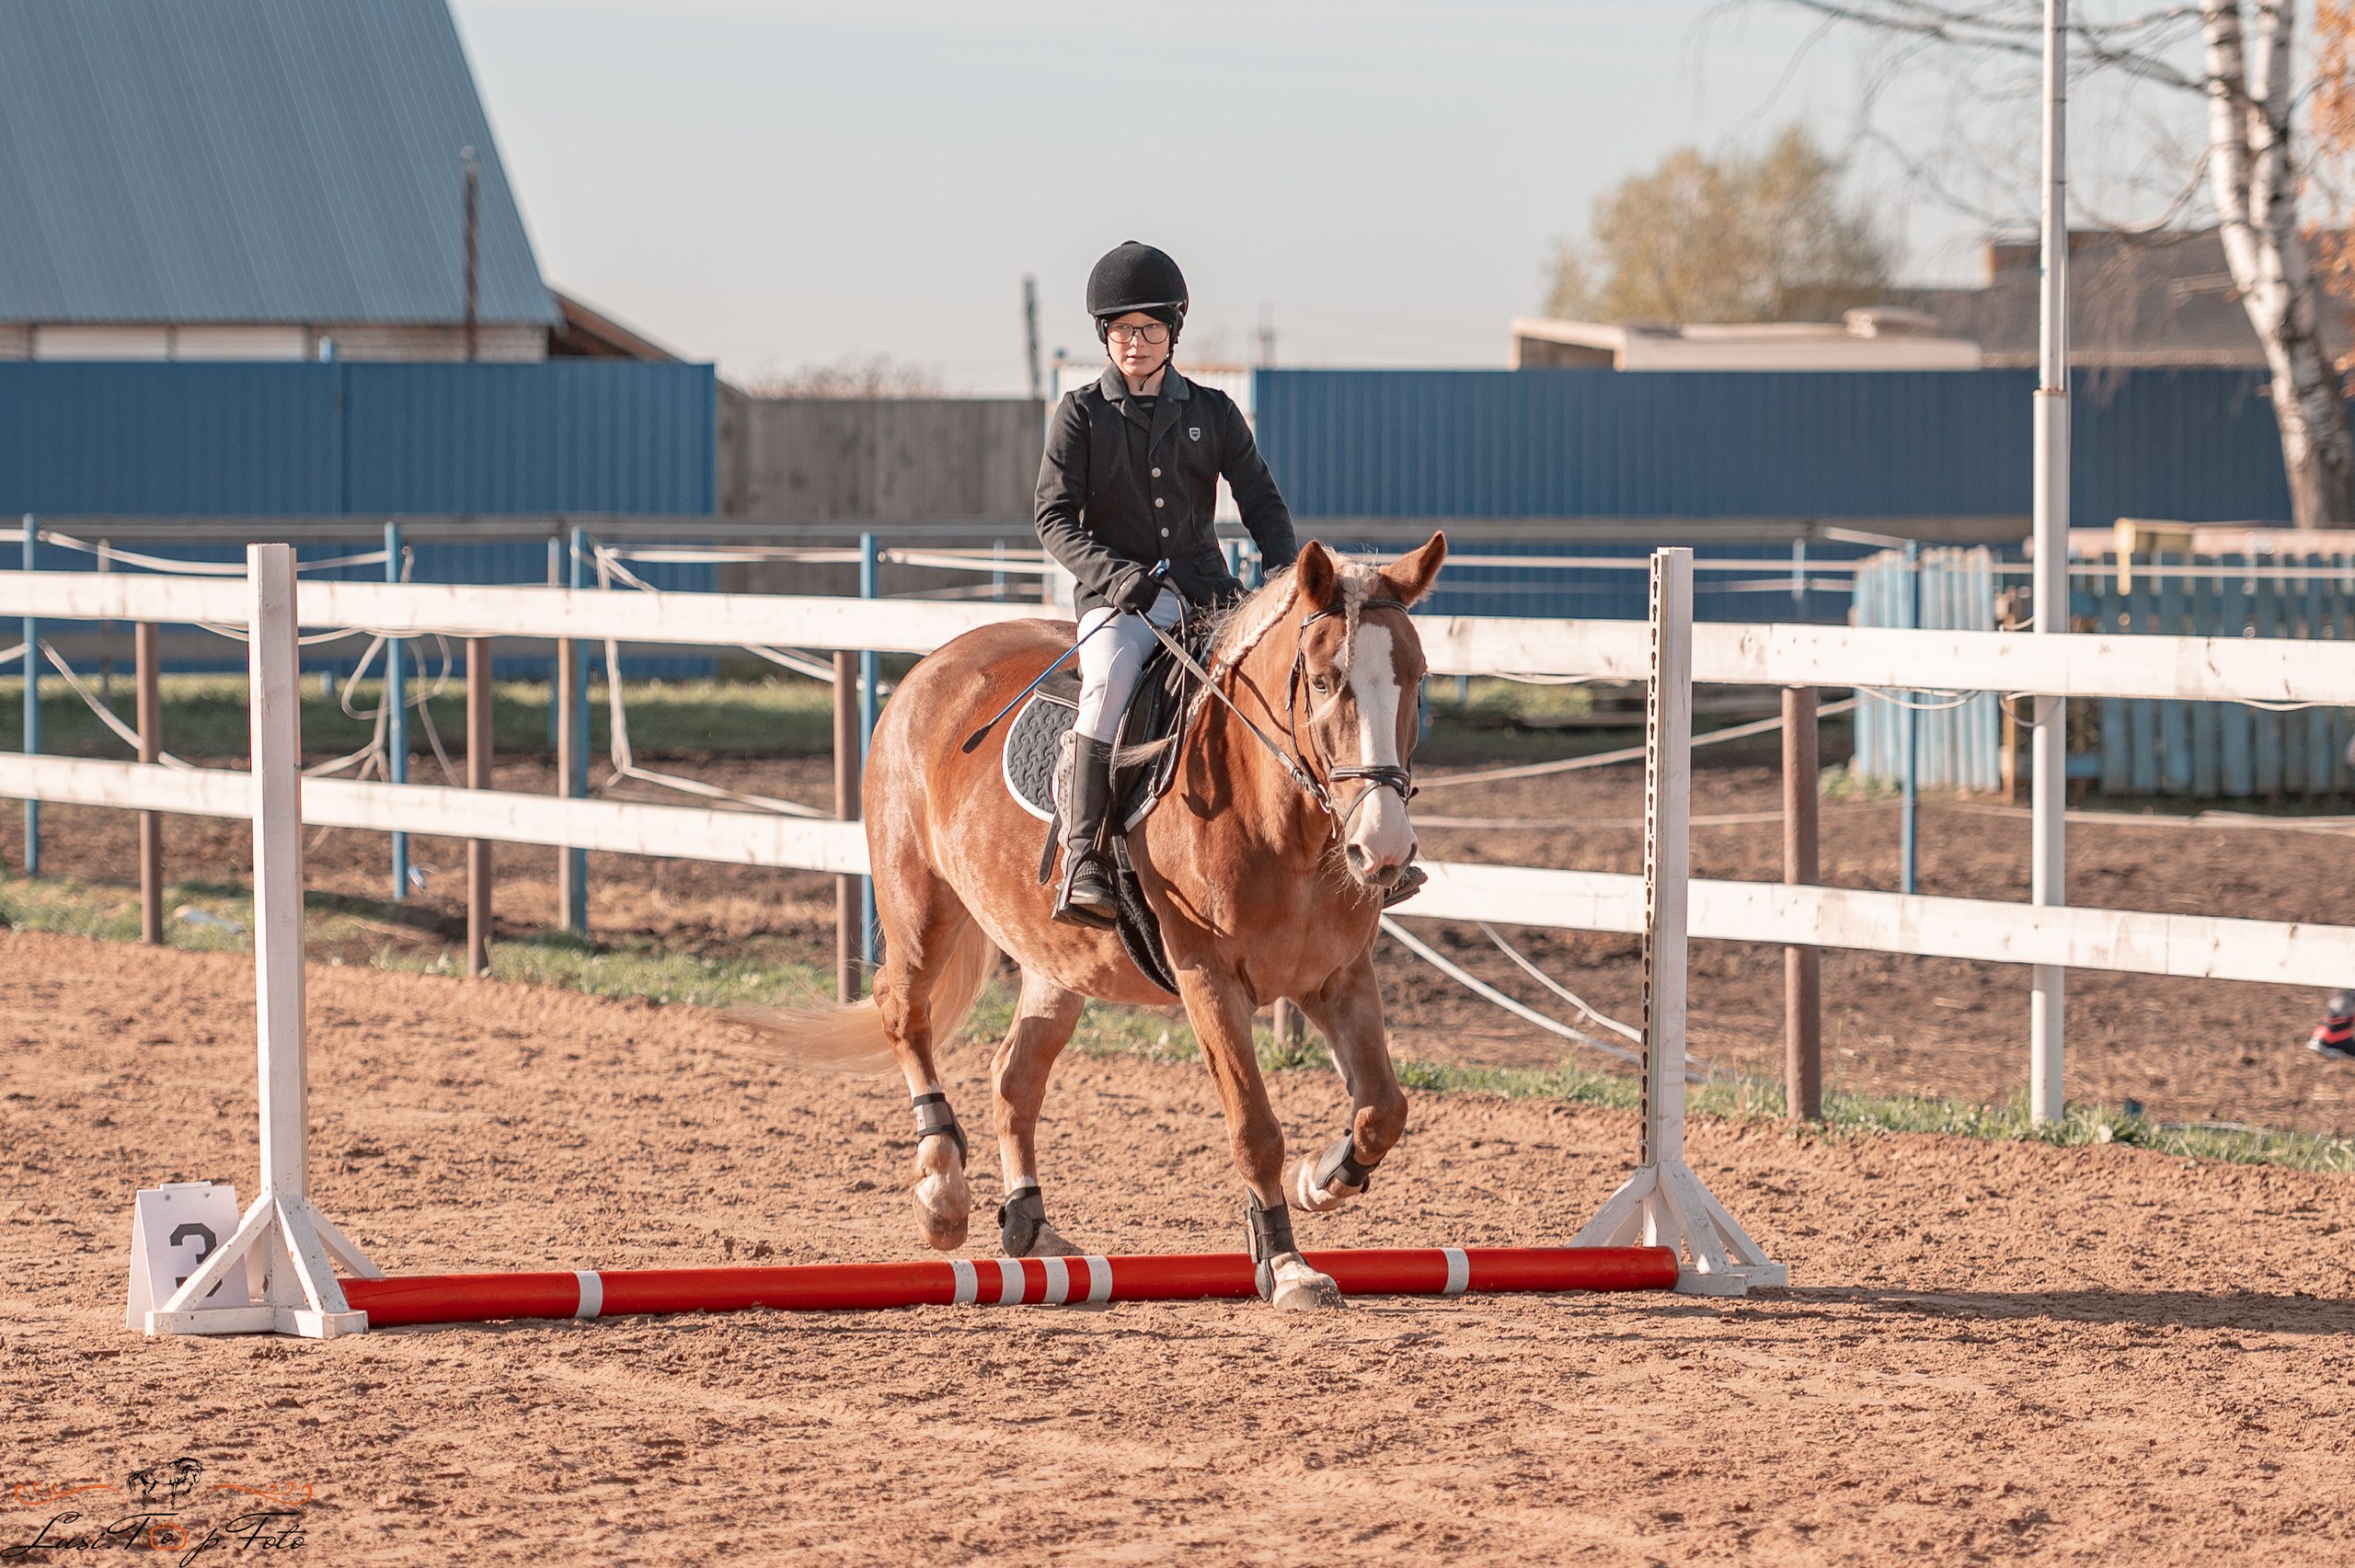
(1300, 1288)
(944, 1206)
(1310, 1199)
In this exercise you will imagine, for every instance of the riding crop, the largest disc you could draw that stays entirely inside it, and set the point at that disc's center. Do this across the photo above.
(1159, 571)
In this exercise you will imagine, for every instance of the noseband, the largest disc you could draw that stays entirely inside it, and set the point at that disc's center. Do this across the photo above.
(1379, 775)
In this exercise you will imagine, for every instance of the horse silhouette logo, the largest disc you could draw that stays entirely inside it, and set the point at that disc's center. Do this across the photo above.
(168, 1482)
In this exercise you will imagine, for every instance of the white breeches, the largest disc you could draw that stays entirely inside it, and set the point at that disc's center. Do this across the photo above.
(1111, 659)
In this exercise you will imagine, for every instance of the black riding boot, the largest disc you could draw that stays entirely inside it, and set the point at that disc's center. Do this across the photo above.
(1086, 897)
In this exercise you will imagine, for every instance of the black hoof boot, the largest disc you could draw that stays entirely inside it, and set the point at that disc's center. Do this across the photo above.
(1019, 1219)
(1270, 1238)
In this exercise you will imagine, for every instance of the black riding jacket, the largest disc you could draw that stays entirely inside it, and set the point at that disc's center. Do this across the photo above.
(1102, 511)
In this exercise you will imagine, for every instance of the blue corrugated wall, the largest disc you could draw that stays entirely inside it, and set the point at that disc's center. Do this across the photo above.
(2198, 444)
(293, 439)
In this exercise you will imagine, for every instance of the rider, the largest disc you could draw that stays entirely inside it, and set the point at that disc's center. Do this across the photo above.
(1128, 483)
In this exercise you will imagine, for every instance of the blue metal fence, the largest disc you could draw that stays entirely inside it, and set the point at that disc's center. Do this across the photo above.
(2197, 444)
(343, 438)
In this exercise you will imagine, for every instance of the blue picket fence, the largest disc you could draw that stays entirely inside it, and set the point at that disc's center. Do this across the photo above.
(1954, 741)
(2221, 750)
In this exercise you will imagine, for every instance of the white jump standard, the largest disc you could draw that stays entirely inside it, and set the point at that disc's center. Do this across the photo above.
(1664, 1204)
(290, 1241)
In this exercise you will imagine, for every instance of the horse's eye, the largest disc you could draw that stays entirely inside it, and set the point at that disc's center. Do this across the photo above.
(1319, 683)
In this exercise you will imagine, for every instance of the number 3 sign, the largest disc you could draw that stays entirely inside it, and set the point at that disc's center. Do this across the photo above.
(173, 1229)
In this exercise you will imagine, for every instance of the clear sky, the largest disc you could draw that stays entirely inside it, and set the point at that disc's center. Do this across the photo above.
(774, 184)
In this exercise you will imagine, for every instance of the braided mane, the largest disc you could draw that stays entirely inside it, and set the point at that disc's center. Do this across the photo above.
(1262, 611)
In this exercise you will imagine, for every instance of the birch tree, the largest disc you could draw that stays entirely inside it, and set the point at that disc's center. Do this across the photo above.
(2236, 55)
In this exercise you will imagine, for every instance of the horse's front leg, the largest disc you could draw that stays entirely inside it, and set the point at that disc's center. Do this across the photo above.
(1221, 1012)
(1043, 1021)
(1348, 1013)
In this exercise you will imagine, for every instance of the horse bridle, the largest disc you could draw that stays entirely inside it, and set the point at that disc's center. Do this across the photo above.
(1379, 775)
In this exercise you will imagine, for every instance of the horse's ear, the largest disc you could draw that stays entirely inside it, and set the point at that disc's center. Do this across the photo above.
(1318, 579)
(1410, 575)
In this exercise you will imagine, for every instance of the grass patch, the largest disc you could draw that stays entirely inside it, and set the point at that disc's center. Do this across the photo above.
(215, 918)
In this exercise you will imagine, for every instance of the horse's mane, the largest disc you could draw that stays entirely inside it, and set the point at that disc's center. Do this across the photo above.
(1239, 629)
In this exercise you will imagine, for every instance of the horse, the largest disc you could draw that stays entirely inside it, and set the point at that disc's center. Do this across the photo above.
(1265, 863)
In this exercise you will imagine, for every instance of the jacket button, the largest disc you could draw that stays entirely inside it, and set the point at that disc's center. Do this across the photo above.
(1164, 533)
(1157, 472)
(1157, 501)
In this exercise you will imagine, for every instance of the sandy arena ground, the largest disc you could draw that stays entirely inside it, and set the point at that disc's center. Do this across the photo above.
(1992, 1352)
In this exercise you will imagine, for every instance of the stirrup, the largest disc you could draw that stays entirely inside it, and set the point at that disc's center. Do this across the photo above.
(1070, 913)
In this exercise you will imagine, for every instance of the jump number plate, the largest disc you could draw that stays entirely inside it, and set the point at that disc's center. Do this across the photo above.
(173, 1229)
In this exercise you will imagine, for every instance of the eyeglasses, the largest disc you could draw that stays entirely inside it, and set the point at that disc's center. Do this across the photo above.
(1152, 332)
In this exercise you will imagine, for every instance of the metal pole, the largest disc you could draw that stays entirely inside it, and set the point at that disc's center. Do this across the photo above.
(481, 752)
(848, 896)
(1291, 1023)
(396, 708)
(870, 679)
(2049, 741)
(572, 737)
(146, 655)
(1910, 718)
(30, 659)
(1802, 866)
(470, 178)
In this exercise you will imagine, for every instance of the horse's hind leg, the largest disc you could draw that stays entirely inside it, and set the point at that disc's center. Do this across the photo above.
(1043, 1021)
(1348, 1013)
(1220, 1014)
(932, 948)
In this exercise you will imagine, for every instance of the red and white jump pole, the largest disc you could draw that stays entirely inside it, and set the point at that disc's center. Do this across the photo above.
(1009, 1282)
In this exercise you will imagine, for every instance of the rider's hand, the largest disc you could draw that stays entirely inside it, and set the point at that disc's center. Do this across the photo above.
(1134, 590)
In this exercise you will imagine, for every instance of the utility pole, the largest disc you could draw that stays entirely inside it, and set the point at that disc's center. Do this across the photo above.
(1030, 331)
(472, 172)
(2049, 862)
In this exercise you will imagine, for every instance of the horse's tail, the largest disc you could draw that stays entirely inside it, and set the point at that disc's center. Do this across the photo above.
(838, 1037)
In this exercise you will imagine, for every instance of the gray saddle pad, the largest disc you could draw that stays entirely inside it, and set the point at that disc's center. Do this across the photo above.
(1029, 762)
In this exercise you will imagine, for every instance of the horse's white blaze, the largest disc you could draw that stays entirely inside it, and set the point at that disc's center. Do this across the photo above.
(1379, 829)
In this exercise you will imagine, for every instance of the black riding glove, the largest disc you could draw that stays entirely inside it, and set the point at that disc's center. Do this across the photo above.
(1134, 590)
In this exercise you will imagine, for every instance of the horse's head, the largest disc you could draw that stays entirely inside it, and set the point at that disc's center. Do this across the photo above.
(1358, 670)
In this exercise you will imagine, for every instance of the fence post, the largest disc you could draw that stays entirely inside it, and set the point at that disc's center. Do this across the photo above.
(147, 676)
(1291, 1023)
(396, 710)
(870, 681)
(1802, 967)
(848, 890)
(572, 750)
(30, 659)
(481, 751)
(1909, 717)
(556, 579)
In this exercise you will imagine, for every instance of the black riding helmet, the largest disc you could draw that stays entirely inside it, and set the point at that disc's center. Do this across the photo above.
(1134, 275)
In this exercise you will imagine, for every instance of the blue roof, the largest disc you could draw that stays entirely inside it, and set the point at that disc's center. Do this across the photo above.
(247, 161)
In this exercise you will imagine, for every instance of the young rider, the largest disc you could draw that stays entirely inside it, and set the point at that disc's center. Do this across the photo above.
(1129, 482)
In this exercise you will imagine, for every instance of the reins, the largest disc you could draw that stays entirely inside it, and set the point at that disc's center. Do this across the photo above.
(1382, 775)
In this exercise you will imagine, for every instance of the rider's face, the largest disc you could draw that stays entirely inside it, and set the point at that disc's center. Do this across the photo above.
(1129, 343)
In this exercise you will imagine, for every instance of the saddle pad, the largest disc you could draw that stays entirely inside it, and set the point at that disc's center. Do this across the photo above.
(1028, 762)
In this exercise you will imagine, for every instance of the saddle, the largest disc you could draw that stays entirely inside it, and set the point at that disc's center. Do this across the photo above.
(1144, 763)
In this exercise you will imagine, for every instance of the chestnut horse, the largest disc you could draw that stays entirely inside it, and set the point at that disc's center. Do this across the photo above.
(1265, 884)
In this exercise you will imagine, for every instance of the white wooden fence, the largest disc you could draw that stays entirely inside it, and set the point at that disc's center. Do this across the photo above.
(1777, 655)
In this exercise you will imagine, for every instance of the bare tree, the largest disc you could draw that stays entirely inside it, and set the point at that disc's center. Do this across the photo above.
(880, 376)
(2236, 56)
(1764, 237)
